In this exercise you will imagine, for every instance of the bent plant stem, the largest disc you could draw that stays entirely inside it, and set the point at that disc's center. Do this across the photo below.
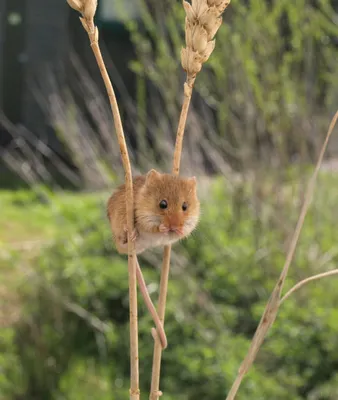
(134, 358)
(150, 306)
(155, 393)
(275, 301)
(307, 280)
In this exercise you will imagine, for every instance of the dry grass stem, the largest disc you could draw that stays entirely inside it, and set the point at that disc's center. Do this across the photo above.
(88, 8)
(155, 392)
(307, 280)
(151, 308)
(274, 302)
(203, 19)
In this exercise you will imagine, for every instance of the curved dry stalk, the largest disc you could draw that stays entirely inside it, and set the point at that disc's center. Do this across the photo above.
(151, 308)
(88, 8)
(274, 302)
(307, 280)
(155, 392)
(203, 19)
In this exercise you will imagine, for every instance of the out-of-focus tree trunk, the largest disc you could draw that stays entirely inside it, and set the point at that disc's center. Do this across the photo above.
(12, 48)
(2, 40)
(46, 49)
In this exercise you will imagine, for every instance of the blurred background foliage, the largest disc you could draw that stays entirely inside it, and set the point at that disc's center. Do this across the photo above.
(64, 321)
(258, 116)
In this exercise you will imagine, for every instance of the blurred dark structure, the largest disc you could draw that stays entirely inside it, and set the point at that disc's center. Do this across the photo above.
(36, 39)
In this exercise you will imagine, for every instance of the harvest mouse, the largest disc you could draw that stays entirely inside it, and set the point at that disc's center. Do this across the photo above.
(166, 210)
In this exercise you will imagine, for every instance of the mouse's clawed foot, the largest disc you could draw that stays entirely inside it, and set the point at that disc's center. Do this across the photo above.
(134, 234)
(163, 229)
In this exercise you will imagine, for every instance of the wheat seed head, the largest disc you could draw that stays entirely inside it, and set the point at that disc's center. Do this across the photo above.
(203, 19)
(86, 7)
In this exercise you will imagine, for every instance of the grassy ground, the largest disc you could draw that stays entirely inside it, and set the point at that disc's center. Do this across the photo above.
(29, 221)
(24, 222)
(32, 216)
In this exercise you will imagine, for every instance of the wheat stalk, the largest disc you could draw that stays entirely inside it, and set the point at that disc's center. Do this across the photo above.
(87, 9)
(272, 307)
(203, 19)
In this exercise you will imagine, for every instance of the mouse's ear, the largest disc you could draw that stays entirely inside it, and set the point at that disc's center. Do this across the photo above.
(152, 175)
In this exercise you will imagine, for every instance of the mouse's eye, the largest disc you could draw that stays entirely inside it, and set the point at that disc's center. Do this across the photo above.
(163, 204)
(184, 206)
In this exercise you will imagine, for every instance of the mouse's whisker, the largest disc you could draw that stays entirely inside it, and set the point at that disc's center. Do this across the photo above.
(148, 220)
(190, 224)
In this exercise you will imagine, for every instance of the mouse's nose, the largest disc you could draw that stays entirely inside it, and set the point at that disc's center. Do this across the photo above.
(175, 224)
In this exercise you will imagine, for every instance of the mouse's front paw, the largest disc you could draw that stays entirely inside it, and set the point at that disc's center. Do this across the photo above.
(134, 235)
(163, 229)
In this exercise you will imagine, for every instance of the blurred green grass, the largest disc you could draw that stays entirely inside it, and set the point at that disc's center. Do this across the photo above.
(39, 215)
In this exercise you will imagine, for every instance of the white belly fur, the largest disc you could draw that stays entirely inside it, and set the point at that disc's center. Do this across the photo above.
(146, 240)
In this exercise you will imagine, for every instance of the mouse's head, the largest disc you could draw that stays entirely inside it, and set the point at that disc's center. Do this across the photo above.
(169, 202)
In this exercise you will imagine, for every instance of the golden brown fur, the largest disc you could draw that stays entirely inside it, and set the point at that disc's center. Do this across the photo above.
(116, 210)
(155, 226)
